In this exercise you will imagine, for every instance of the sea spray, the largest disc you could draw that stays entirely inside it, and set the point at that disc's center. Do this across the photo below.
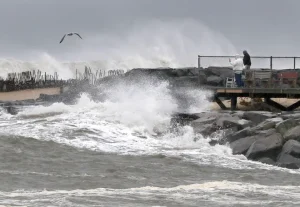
(147, 44)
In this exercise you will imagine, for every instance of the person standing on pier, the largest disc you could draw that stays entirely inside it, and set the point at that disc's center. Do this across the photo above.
(247, 65)
(246, 60)
(237, 66)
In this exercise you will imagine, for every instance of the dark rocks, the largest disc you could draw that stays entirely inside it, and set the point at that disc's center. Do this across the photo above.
(233, 122)
(242, 145)
(182, 119)
(291, 147)
(204, 130)
(186, 81)
(293, 133)
(284, 126)
(265, 147)
(240, 134)
(214, 80)
(268, 123)
(261, 136)
(288, 161)
(267, 132)
(267, 160)
(258, 116)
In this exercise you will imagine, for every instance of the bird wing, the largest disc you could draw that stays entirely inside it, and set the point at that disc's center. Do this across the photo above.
(62, 39)
(78, 35)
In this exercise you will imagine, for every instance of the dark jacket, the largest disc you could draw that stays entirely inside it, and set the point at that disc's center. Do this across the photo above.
(247, 59)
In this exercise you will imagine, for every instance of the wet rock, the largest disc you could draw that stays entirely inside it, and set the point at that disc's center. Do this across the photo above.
(288, 161)
(293, 133)
(202, 78)
(222, 72)
(214, 80)
(186, 81)
(266, 147)
(267, 132)
(291, 147)
(286, 125)
(258, 116)
(51, 98)
(267, 160)
(268, 124)
(229, 121)
(289, 115)
(205, 118)
(204, 130)
(220, 135)
(240, 134)
(182, 119)
(242, 145)
(11, 110)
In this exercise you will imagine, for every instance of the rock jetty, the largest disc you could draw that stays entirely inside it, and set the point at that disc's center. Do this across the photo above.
(267, 137)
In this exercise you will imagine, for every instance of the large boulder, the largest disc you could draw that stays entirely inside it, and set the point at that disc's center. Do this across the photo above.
(182, 119)
(258, 116)
(222, 72)
(267, 160)
(268, 123)
(293, 133)
(242, 145)
(291, 147)
(186, 81)
(265, 147)
(202, 121)
(214, 80)
(240, 134)
(202, 78)
(205, 130)
(286, 125)
(220, 135)
(288, 161)
(289, 115)
(228, 121)
(267, 132)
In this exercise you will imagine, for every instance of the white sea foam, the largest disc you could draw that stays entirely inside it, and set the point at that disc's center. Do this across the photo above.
(218, 192)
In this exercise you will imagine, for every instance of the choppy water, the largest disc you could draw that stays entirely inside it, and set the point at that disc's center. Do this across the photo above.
(120, 152)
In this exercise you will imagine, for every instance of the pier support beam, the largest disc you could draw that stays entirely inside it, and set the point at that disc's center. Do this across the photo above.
(270, 102)
(293, 106)
(233, 102)
(220, 103)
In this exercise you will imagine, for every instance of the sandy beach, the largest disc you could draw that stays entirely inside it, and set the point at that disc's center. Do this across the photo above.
(27, 94)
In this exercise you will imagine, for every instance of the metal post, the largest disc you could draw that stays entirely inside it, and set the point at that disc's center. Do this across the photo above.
(294, 63)
(76, 74)
(199, 63)
(45, 77)
(271, 62)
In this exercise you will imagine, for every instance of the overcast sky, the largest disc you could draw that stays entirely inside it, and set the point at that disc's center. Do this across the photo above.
(264, 27)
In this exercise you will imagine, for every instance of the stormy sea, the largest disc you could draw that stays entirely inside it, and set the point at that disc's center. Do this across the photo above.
(121, 151)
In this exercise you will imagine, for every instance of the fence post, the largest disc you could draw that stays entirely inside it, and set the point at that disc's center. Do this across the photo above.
(294, 63)
(271, 62)
(199, 63)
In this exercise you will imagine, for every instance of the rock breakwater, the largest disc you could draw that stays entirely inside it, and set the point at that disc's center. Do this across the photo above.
(267, 137)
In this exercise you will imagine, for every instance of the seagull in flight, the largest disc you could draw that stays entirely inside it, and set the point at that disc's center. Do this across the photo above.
(69, 34)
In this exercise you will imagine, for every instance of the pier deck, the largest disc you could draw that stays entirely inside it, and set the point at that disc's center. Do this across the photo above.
(266, 93)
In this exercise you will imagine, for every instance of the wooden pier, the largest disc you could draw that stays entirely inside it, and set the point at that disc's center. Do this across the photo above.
(266, 93)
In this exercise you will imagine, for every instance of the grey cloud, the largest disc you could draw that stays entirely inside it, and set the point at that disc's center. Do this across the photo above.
(264, 27)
